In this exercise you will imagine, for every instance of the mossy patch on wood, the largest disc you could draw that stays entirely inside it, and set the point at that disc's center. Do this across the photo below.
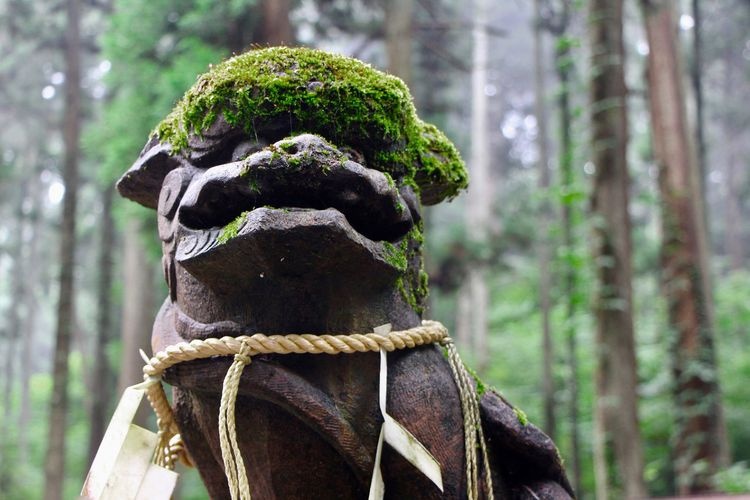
(282, 90)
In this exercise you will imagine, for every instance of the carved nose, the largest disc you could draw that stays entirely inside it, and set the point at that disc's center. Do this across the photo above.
(302, 172)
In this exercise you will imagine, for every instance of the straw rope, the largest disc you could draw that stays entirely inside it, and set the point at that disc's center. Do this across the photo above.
(171, 449)
(473, 433)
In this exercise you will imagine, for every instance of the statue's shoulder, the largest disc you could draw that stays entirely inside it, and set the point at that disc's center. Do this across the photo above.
(525, 457)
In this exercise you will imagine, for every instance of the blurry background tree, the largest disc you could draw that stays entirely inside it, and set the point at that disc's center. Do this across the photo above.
(520, 73)
(616, 430)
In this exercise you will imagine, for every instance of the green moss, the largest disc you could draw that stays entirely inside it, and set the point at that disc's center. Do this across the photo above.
(252, 182)
(481, 387)
(342, 99)
(521, 416)
(395, 256)
(407, 257)
(230, 230)
(286, 146)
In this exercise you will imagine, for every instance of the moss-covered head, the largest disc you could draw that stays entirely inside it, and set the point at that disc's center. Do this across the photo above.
(275, 92)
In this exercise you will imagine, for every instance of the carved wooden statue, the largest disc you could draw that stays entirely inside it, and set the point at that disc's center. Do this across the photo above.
(288, 185)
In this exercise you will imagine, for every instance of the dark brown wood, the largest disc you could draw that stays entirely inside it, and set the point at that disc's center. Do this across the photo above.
(333, 247)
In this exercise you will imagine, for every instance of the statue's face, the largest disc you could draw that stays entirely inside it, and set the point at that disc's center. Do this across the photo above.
(239, 218)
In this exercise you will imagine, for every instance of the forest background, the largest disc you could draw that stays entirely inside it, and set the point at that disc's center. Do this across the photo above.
(602, 297)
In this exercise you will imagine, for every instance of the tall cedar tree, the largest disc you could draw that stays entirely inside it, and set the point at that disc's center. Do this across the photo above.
(543, 245)
(616, 372)
(10, 335)
(698, 430)
(102, 389)
(556, 20)
(398, 37)
(479, 200)
(54, 467)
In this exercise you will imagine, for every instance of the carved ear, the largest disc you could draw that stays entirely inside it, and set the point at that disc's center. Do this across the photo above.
(142, 182)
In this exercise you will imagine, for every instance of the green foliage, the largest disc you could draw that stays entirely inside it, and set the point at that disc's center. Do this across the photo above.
(732, 313)
(735, 479)
(27, 476)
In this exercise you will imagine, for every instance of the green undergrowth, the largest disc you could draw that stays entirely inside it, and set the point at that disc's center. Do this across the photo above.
(280, 91)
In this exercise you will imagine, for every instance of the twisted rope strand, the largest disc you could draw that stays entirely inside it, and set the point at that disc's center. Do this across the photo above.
(429, 332)
(472, 425)
(234, 466)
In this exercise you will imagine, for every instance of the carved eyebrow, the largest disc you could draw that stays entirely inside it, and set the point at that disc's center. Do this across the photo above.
(205, 151)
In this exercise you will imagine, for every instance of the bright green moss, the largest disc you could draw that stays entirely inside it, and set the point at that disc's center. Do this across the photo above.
(294, 90)
(521, 416)
(232, 229)
(481, 387)
(395, 255)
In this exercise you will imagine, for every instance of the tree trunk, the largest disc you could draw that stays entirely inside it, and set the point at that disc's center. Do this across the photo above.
(11, 334)
(101, 390)
(276, 28)
(616, 372)
(543, 249)
(733, 232)
(697, 82)
(563, 64)
(398, 37)
(698, 436)
(54, 467)
(29, 326)
(137, 309)
(478, 202)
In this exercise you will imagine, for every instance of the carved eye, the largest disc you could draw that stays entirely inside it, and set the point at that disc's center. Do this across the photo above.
(171, 191)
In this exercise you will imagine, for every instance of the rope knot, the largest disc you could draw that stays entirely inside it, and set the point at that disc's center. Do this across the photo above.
(244, 355)
(242, 358)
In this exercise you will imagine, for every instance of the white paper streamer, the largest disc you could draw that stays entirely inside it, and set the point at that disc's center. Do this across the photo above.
(398, 437)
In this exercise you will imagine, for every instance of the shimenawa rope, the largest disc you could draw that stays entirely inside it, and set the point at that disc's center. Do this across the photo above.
(170, 448)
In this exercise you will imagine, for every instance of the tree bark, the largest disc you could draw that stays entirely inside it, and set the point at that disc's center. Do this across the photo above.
(478, 202)
(276, 28)
(616, 371)
(54, 467)
(697, 82)
(698, 436)
(398, 37)
(102, 390)
(137, 309)
(543, 245)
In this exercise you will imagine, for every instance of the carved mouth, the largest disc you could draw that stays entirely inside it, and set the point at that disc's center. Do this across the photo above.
(291, 187)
